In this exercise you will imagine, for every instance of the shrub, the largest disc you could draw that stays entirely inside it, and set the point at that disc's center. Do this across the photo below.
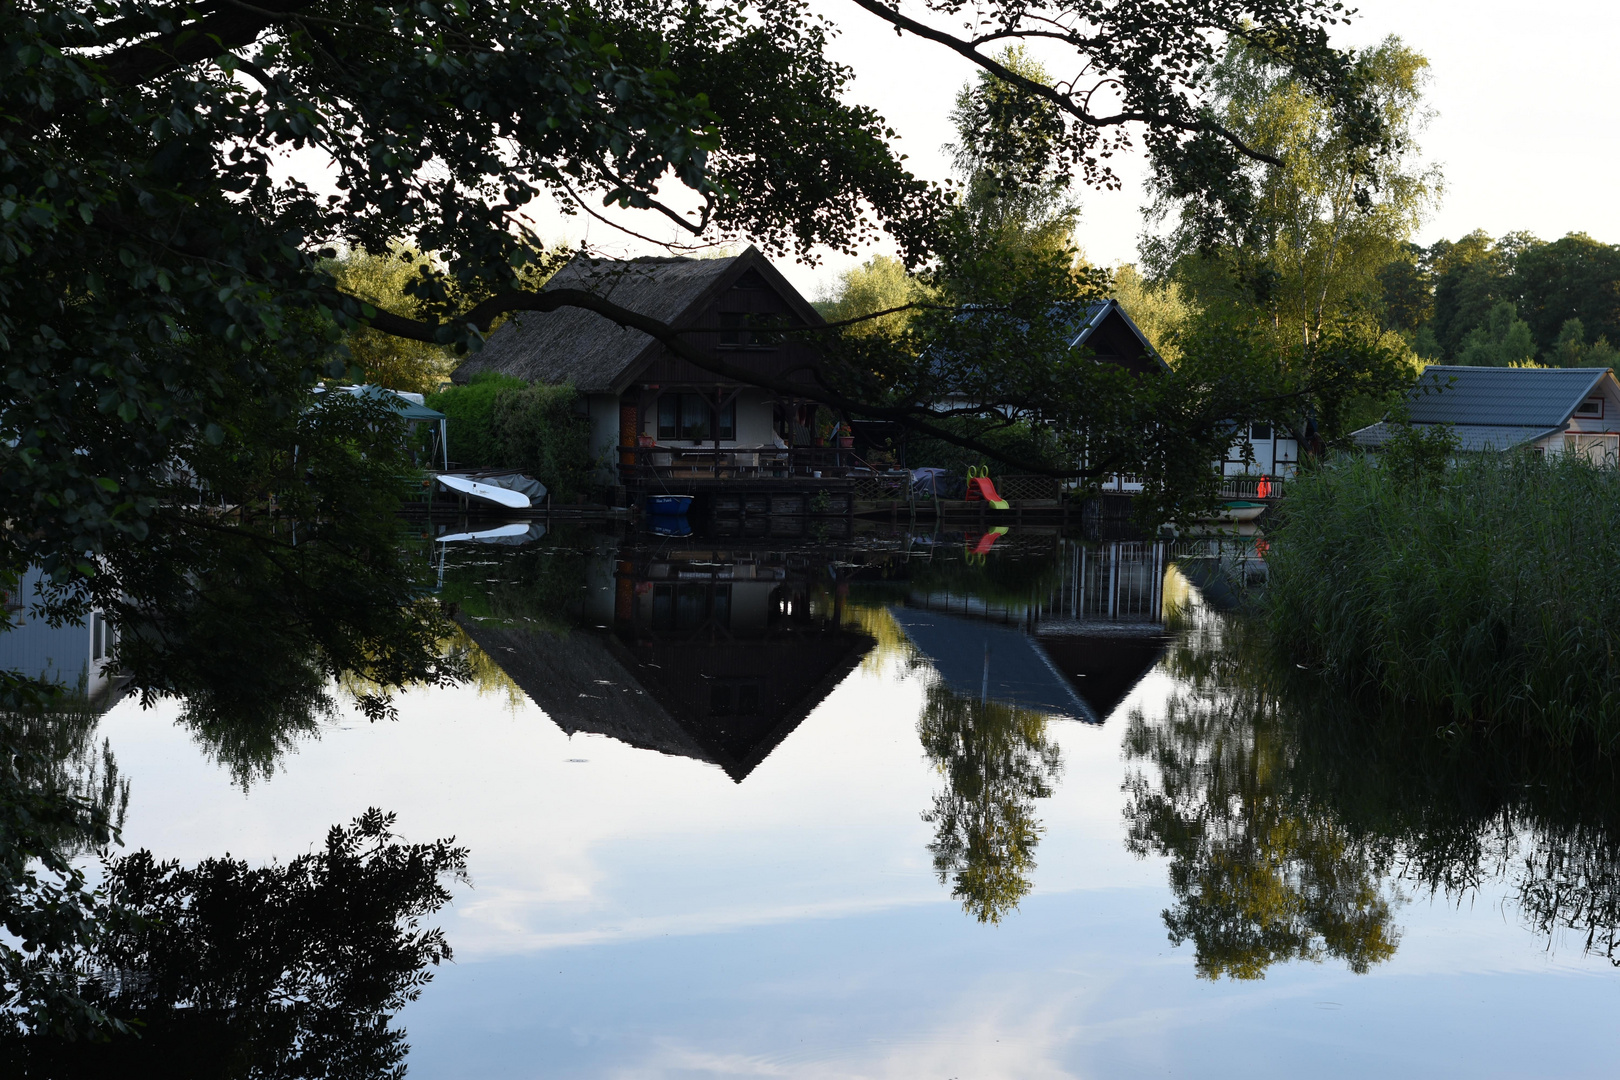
(471, 409)
(537, 429)
(1483, 593)
(497, 421)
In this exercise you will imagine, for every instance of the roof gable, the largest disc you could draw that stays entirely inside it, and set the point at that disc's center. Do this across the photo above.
(1109, 332)
(1513, 397)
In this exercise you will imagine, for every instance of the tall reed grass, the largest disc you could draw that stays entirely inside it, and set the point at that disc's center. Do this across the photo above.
(1487, 593)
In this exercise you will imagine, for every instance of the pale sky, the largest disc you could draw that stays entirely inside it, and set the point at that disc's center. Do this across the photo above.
(1527, 101)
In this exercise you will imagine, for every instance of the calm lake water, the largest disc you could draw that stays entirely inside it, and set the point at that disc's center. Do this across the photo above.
(929, 807)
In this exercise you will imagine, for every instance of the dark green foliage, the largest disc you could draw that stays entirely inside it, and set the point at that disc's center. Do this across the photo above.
(1544, 287)
(541, 430)
(1020, 442)
(249, 609)
(1418, 453)
(471, 412)
(1574, 277)
(288, 970)
(1482, 595)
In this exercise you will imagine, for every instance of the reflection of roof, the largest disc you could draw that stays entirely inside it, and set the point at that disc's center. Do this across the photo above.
(981, 660)
(658, 695)
(1106, 668)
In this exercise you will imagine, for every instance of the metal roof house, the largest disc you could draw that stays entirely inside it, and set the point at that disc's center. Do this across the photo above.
(1551, 410)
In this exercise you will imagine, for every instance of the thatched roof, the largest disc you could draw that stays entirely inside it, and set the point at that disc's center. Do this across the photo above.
(596, 355)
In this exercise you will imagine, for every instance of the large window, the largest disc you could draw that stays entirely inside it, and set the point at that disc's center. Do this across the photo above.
(690, 606)
(694, 417)
(737, 331)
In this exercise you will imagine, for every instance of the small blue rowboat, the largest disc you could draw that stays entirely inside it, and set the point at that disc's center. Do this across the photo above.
(668, 504)
(669, 525)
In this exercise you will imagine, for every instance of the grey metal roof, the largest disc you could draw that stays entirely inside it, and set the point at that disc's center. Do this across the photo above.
(581, 347)
(1472, 437)
(1512, 397)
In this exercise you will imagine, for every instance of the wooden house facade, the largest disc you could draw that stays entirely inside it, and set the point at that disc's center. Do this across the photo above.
(657, 418)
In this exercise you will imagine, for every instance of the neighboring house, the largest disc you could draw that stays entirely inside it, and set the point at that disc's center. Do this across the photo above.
(1548, 410)
(1107, 332)
(76, 655)
(1271, 451)
(1111, 335)
(648, 408)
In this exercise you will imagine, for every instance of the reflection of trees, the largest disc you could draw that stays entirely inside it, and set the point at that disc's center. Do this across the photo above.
(1291, 819)
(227, 970)
(996, 760)
(1258, 879)
(223, 969)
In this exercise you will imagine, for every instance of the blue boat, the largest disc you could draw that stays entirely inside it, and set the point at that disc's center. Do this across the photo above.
(668, 504)
(669, 525)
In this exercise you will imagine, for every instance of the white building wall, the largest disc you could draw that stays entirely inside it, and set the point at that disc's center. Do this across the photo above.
(1274, 453)
(604, 413)
(755, 415)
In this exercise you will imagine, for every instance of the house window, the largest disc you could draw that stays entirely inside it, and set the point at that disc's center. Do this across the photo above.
(1259, 432)
(1590, 409)
(689, 607)
(736, 332)
(693, 417)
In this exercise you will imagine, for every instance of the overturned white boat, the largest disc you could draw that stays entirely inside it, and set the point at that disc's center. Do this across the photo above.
(509, 491)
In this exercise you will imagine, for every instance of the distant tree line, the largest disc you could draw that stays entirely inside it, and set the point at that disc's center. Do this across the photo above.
(1510, 300)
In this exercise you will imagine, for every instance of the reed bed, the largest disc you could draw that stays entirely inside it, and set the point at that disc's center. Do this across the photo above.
(1483, 594)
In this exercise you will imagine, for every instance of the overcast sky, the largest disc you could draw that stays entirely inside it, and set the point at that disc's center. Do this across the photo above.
(1527, 129)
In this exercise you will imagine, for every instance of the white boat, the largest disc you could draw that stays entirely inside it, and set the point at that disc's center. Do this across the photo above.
(1241, 512)
(489, 536)
(498, 496)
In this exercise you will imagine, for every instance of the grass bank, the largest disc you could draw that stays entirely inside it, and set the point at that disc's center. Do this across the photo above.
(1482, 594)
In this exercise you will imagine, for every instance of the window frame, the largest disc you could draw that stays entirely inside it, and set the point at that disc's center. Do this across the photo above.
(1598, 400)
(678, 420)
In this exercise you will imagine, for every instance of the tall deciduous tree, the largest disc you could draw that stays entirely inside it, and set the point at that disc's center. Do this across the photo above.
(1327, 220)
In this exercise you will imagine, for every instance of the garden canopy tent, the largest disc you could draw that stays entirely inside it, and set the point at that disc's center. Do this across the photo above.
(410, 410)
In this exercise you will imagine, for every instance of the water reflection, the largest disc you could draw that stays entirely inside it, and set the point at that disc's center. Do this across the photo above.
(692, 648)
(996, 761)
(1296, 826)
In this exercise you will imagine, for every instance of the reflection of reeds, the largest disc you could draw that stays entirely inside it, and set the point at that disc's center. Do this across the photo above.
(1486, 594)
(1295, 818)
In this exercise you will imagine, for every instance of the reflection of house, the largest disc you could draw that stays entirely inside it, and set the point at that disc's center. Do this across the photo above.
(1552, 410)
(717, 656)
(687, 421)
(75, 655)
(1082, 647)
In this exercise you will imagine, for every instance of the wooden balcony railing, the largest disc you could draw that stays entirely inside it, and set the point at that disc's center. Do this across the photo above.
(642, 463)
